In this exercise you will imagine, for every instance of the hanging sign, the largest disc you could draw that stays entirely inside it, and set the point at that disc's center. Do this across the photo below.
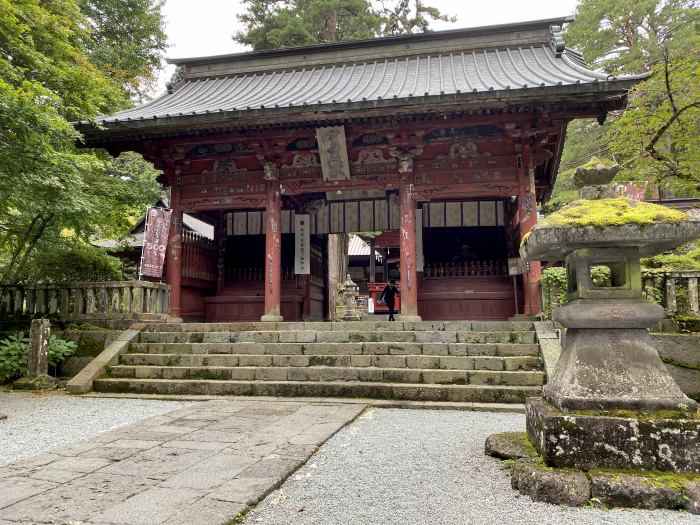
(333, 152)
(155, 242)
(302, 244)
(420, 259)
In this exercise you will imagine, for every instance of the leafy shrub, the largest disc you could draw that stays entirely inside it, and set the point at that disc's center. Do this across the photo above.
(13, 356)
(74, 264)
(14, 350)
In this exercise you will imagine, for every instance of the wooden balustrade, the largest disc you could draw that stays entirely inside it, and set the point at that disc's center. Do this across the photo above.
(199, 257)
(236, 274)
(85, 301)
(452, 270)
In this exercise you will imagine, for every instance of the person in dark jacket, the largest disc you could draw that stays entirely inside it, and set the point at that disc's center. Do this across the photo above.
(389, 295)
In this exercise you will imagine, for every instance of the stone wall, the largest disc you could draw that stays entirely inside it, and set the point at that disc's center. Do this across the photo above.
(90, 344)
(681, 354)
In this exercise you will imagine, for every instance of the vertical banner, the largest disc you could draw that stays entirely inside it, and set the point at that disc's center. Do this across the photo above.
(302, 244)
(420, 260)
(155, 242)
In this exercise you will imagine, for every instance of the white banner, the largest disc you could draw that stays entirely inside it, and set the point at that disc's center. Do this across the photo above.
(302, 245)
(420, 260)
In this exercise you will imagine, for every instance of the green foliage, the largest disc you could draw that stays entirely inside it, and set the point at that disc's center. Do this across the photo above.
(679, 259)
(554, 286)
(73, 264)
(127, 41)
(52, 194)
(656, 139)
(14, 352)
(610, 212)
(274, 24)
(60, 349)
(13, 356)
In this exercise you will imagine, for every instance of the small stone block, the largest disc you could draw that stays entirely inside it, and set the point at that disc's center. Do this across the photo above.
(510, 445)
(640, 492)
(541, 483)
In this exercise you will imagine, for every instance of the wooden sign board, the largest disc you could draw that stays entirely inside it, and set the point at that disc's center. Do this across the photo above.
(516, 266)
(333, 152)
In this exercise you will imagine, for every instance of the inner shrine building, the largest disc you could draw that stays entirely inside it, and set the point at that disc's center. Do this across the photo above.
(444, 142)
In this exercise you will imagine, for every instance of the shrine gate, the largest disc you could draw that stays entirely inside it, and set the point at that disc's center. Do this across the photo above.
(447, 139)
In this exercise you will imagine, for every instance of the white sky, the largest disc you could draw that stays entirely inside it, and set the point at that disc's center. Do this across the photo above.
(205, 27)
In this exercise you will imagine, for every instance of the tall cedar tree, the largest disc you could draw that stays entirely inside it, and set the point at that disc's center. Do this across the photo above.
(273, 24)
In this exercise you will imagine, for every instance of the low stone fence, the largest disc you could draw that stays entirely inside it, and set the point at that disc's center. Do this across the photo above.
(86, 302)
(676, 291)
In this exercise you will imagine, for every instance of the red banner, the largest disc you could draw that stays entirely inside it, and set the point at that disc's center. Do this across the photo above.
(155, 242)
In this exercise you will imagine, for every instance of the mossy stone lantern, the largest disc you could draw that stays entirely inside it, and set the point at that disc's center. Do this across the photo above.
(609, 364)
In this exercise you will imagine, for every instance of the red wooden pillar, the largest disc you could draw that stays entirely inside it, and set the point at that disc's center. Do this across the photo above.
(407, 249)
(528, 218)
(273, 244)
(174, 251)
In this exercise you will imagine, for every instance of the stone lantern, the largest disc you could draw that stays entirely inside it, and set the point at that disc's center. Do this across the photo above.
(610, 403)
(350, 292)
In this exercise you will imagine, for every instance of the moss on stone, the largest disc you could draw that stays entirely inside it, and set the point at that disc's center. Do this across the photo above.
(610, 212)
(681, 413)
(672, 480)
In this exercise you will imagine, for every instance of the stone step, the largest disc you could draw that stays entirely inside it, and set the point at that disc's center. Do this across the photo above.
(346, 389)
(509, 364)
(454, 326)
(454, 349)
(331, 373)
(339, 336)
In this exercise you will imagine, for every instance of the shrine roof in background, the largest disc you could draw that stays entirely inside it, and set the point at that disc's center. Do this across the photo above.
(477, 67)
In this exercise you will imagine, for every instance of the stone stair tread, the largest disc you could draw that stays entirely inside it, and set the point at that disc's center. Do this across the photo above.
(407, 391)
(333, 373)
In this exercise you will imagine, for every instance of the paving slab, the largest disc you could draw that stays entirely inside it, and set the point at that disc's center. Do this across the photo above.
(202, 464)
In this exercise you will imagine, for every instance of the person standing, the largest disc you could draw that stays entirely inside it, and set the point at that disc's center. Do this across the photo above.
(389, 295)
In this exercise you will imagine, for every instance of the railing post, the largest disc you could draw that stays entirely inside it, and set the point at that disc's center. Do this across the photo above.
(64, 304)
(693, 301)
(90, 300)
(78, 303)
(671, 304)
(19, 301)
(137, 299)
(102, 301)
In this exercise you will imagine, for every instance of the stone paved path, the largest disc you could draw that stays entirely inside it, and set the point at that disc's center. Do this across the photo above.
(203, 464)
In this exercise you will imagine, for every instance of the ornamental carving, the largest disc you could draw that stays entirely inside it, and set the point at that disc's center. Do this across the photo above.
(271, 172)
(370, 139)
(224, 167)
(370, 156)
(463, 150)
(304, 161)
(405, 158)
(209, 150)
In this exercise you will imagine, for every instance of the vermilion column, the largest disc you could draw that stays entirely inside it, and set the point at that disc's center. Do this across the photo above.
(174, 251)
(528, 218)
(407, 205)
(273, 244)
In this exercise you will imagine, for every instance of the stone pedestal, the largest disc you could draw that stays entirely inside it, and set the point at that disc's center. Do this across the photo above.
(664, 441)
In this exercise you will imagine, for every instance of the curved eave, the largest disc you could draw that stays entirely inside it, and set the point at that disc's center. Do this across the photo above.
(588, 94)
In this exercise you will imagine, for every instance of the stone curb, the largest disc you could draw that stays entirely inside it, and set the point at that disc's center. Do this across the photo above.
(512, 408)
(550, 347)
(82, 382)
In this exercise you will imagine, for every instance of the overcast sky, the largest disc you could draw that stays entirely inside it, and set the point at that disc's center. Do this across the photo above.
(204, 27)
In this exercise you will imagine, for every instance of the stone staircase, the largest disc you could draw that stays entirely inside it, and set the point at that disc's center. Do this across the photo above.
(464, 361)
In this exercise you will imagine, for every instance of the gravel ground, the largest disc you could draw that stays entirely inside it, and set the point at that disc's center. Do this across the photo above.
(40, 422)
(422, 467)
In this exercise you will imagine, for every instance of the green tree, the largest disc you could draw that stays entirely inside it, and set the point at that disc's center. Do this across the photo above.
(52, 193)
(656, 138)
(273, 24)
(127, 40)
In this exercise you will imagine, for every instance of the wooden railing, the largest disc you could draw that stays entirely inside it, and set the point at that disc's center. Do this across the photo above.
(199, 257)
(453, 270)
(85, 301)
(254, 274)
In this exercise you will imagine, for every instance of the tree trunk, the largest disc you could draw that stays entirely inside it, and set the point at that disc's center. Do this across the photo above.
(337, 252)
(333, 25)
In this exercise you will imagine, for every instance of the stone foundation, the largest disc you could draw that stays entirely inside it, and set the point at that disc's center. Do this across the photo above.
(596, 487)
(587, 441)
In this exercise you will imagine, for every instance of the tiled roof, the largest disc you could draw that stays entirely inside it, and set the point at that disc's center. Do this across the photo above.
(508, 61)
